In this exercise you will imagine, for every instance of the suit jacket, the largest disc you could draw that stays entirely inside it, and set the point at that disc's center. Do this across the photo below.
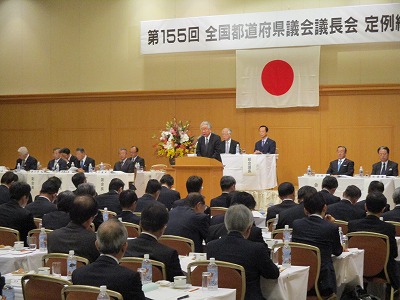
(324, 235)
(278, 208)
(252, 256)
(41, 206)
(106, 271)
(86, 164)
(184, 221)
(73, 237)
(361, 204)
(218, 219)
(62, 164)
(392, 168)
(346, 168)
(73, 159)
(213, 149)
(4, 194)
(55, 220)
(220, 201)
(392, 215)
(180, 202)
(139, 160)
(30, 163)
(146, 244)
(288, 216)
(329, 198)
(373, 224)
(168, 196)
(269, 146)
(344, 210)
(232, 147)
(109, 200)
(14, 216)
(127, 167)
(145, 201)
(128, 216)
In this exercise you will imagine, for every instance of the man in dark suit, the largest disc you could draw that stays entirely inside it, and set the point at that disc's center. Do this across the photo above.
(84, 160)
(227, 184)
(135, 158)
(329, 186)
(375, 204)
(112, 243)
(228, 145)
(78, 179)
(286, 194)
(190, 221)
(153, 221)
(209, 144)
(235, 248)
(167, 195)
(60, 218)
(374, 186)
(124, 164)
(151, 194)
(43, 204)
(111, 198)
(394, 214)
(69, 158)
(265, 145)
(26, 161)
(385, 166)
(128, 200)
(317, 231)
(342, 165)
(194, 184)
(7, 180)
(345, 210)
(13, 214)
(77, 235)
(57, 160)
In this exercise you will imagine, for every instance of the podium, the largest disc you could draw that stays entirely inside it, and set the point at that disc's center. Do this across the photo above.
(207, 168)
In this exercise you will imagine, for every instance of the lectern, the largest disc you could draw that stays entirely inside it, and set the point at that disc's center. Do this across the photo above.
(207, 168)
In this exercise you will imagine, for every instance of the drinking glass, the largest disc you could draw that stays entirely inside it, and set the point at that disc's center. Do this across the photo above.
(56, 269)
(32, 242)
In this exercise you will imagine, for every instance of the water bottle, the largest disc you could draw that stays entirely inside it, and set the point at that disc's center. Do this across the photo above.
(361, 171)
(103, 293)
(120, 219)
(101, 166)
(341, 235)
(105, 214)
(286, 255)
(42, 239)
(309, 171)
(72, 165)
(71, 263)
(148, 274)
(275, 222)
(18, 167)
(90, 168)
(213, 269)
(237, 149)
(8, 290)
(287, 234)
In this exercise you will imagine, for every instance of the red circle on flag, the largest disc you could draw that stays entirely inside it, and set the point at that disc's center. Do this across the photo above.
(277, 77)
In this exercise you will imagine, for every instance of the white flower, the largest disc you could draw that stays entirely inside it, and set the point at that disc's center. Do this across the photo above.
(184, 138)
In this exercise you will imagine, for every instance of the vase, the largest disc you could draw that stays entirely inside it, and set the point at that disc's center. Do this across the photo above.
(172, 161)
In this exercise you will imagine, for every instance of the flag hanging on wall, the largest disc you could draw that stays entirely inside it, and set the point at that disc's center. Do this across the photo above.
(277, 78)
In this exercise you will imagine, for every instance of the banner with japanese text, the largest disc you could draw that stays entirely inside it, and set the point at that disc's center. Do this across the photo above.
(320, 26)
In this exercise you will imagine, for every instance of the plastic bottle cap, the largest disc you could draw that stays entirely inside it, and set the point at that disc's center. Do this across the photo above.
(277, 216)
(146, 256)
(71, 252)
(105, 208)
(286, 227)
(103, 288)
(212, 259)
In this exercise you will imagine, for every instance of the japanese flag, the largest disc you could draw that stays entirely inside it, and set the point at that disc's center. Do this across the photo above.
(285, 77)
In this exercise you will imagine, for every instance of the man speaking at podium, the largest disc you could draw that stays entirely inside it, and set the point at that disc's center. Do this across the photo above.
(209, 144)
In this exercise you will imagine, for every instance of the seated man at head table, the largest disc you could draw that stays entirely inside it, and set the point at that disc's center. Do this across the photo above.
(265, 145)
(235, 248)
(26, 161)
(208, 144)
(329, 186)
(394, 214)
(128, 200)
(167, 195)
(228, 145)
(124, 164)
(43, 204)
(112, 243)
(71, 160)
(7, 180)
(135, 158)
(385, 166)
(345, 209)
(342, 165)
(151, 194)
(84, 160)
(227, 184)
(287, 195)
(57, 161)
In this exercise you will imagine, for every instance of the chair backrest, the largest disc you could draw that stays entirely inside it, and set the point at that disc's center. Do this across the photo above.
(85, 292)
(230, 275)
(304, 255)
(134, 263)
(38, 222)
(137, 213)
(343, 225)
(111, 214)
(183, 245)
(270, 222)
(92, 227)
(36, 287)
(133, 229)
(158, 167)
(397, 226)
(36, 232)
(48, 259)
(8, 236)
(215, 211)
(277, 234)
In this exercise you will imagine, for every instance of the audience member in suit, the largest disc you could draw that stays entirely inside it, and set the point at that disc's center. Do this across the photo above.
(235, 248)
(77, 179)
(69, 158)
(317, 230)
(43, 204)
(385, 166)
(153, 221)
(190, 221)
(167, 194)
(135, 158)
(112, 243)
(26, 161)
(13, 214)
(394, 214)
(374, 186)
(227, 144)
(60, 218)
(77, 235)
(194, 184)
(128, 200)
(375, 204)
(208, 144)
(86, 188)
(286, 194)
(227, 184)
(124, 164)
(342, 165)
(345, 209)
(151, 194)
(329, 186)
(219, 219)
(7, 180)
(57, 160)
(84, 160)
(111, 198)
(288, 216)
(265, 145)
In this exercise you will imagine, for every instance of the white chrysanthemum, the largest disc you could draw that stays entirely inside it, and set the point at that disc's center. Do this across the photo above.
(184, 138)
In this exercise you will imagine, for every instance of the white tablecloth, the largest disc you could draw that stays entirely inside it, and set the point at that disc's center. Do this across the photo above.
(143, 177)
(167, 293)
(11, 261)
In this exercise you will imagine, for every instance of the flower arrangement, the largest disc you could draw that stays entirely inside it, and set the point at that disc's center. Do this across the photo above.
(175, 140)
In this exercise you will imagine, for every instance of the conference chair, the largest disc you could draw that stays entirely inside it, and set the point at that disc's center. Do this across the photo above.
(38, 222)
(397, 225)
(215, 211)
(308, 256)
(182, 245)
(270, 222)
(277, 234)
(376, 255)
(36, 287)
(133, 229)
(158, 167)
(343, 225)
(48, 259)
(110, 213)
(92, 227)
(133, 263)
(8, 236)
(36, 232)
(137, 213)
(230, 275)
(86, 292)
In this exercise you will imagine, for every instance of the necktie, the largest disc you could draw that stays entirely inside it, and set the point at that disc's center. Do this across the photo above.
(206, 142)
(383, 171)
(339, 164)
(226, 147)
(122, 163)
(81, 163)
(262, 143)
